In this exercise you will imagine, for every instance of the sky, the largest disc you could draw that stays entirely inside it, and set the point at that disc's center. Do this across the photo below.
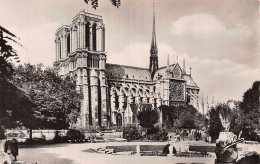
(219, 39)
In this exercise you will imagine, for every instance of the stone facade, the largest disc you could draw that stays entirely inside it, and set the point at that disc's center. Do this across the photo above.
(114, 94)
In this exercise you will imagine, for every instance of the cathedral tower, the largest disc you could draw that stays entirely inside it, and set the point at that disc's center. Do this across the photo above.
(80, 53)
(153, 67)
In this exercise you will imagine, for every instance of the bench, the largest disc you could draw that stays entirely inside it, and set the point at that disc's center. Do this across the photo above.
(251, 142)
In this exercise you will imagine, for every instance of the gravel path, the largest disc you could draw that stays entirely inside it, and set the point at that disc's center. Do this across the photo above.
(73, 154)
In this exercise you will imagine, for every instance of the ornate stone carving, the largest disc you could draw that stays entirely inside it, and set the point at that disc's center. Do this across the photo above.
(176, 91)
(176, 73)
(81, 18)
(74, 27)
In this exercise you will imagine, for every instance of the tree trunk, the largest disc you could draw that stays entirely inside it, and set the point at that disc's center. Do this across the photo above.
(30, 134)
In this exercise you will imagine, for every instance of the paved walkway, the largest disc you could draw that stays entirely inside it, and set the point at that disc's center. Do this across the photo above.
(73, 154)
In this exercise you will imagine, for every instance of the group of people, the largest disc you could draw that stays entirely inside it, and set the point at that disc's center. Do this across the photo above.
(197, 135)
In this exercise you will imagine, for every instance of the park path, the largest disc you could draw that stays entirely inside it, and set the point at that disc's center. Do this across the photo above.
(73, 154)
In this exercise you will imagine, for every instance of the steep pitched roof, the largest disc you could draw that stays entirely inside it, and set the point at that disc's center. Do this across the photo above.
(162, 70)
(189, 80)
(128, 72)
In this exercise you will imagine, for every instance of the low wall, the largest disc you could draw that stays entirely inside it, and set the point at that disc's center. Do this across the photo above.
(49, 134)
(122, 148)
(105, 135)
(157, 148)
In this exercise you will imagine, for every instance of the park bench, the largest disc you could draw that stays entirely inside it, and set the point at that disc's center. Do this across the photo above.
(251, 142)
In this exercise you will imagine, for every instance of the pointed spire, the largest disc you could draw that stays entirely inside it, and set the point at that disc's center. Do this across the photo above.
(168, 63)
(154, 49)
(153, 67)
(184, 66)
(190, 70)
(82, 8)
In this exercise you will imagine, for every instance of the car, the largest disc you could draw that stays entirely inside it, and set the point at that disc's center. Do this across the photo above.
(98, 140)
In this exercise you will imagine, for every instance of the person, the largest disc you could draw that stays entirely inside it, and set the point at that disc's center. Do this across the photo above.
(14, 148)
(4, 157)
(8, 145)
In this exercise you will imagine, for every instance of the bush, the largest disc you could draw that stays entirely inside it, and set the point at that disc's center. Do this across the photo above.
(131, 133)
(59, 138)
(163, 136)
(76, 136)
(37, 141)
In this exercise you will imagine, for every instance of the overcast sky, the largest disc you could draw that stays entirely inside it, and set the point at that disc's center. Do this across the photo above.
(218, 38)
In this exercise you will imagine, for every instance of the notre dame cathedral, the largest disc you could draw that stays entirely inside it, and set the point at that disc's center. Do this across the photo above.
(113, 93)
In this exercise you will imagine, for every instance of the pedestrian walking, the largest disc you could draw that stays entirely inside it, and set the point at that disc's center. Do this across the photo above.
(14, 148)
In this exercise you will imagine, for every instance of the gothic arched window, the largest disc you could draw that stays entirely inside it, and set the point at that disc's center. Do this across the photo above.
(87, 31)
(59, 47)
(94, 37)
(68, 43)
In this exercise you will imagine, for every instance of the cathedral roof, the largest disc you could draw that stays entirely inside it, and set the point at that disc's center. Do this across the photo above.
(128, 72)
(189, 80)
(161, 71)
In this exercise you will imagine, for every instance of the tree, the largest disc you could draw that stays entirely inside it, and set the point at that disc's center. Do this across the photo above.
(200, 121)
(185, 121)
(15, 107)
(57, 104)
(170, 114)
(7, 52)
(94, 3)
(178, 117)
(215, 126)
(148, 118)
(250, 104)
(246, 114)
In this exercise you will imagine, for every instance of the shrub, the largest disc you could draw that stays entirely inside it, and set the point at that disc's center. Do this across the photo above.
(75, 136)
(131, 133)
(58, 138)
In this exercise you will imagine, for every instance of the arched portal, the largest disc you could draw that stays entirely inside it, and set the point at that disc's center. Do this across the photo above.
(119, 119)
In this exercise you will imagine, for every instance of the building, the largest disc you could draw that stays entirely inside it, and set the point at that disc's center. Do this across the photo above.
(113, 93)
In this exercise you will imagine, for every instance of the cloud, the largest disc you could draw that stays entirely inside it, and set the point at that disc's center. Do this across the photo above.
(206, 36)
(206, 26)
(38, 43)
(223, 79)
(138, 54)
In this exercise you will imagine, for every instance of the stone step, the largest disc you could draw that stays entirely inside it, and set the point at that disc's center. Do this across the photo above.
(124, 153)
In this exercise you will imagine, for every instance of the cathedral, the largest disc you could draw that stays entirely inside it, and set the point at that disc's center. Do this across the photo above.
(113, 94)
